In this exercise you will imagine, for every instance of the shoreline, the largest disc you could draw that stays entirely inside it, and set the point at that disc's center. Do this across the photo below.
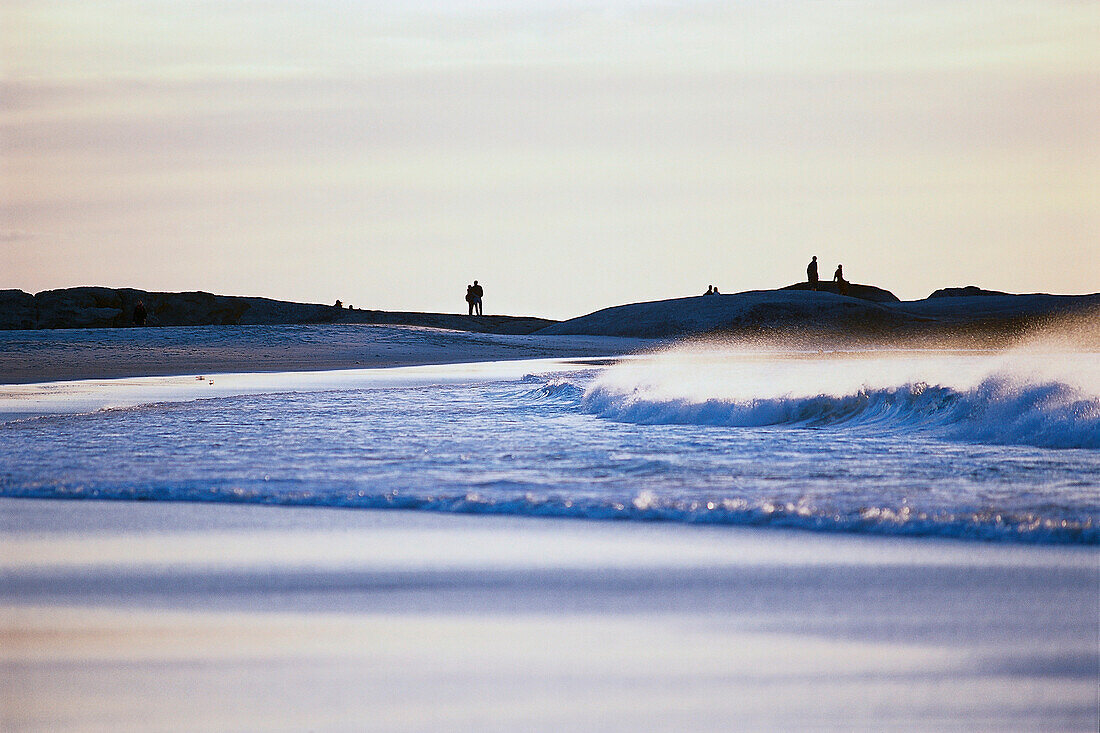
(114, 612)
(36, 399)
(45, 356)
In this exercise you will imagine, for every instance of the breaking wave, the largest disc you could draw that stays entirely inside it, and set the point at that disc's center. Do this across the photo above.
(997, 411)
(559, 389)
(839, 457)
(645, 506)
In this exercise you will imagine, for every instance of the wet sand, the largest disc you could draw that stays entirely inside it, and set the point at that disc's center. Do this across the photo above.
(28, 357)
(160, 616)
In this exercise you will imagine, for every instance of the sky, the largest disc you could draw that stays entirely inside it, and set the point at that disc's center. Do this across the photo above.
(568, 155)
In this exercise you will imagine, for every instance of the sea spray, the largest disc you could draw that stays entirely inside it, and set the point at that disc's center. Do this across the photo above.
(987, 400)
(996, 412)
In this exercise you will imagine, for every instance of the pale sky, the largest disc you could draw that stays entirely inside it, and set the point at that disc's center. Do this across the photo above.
(569, 155)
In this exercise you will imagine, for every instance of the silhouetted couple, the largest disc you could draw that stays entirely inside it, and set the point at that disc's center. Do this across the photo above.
(838, 277)
(474, 294)
(712, 290)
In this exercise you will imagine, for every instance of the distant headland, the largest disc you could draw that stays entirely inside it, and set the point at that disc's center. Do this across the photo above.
(796, 311)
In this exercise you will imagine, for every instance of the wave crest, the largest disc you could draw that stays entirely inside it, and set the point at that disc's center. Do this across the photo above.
(559, 389)
(997, 411)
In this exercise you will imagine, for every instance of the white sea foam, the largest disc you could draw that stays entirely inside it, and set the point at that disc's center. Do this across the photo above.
(998, 399)
(997, 411)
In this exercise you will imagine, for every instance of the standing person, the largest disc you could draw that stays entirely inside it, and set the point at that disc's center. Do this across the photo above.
(470, 298)
(838, 278)
(811, 273)
(140, 313)
(478, 293)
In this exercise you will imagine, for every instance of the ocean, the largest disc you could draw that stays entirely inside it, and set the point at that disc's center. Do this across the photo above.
(988, 446)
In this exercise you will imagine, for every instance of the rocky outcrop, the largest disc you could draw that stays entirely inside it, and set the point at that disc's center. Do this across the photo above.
(514, 325)
(757, 311)
(193, 309)
(79, 308)
(91, 307)
(17, 310)
(855, 290)
(95, 307)
(967, 292)
(795, 314)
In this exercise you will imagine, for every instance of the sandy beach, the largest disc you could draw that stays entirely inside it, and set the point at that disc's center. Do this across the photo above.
(162, 616)
(70, 354)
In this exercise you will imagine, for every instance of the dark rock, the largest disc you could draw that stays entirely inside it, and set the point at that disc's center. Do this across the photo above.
(80, 308)
(186, 309)
(17, 310)
(753, 312)
(1002, 307)
(795, 314)
(515, 325)
(855, 290)
(264, 311)
(94, 307)
(968, 291)
(91, 307)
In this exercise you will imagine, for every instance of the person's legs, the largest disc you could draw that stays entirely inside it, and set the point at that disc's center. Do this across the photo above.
(479, 306)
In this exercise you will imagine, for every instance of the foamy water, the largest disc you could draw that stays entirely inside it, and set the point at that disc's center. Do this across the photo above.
(968, 445)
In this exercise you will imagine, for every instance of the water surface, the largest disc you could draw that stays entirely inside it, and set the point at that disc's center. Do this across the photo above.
(969, 445)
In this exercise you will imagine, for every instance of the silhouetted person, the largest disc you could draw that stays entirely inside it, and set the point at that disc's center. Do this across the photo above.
(140, 314)
(470, 298)
(710, 290)
(838, 278)
(811, 273)
(478, 293)
(715, 291)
